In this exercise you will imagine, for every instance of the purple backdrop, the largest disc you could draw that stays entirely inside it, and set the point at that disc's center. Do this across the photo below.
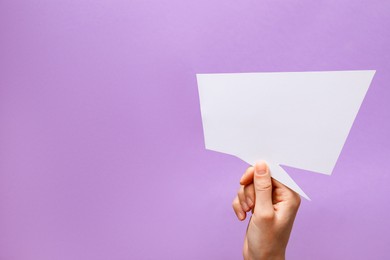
(101, 143)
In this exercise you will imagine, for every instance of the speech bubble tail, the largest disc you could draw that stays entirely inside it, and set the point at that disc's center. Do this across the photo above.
(279, 174)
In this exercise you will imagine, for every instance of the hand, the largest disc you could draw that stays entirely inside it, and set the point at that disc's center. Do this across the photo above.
(273, 206)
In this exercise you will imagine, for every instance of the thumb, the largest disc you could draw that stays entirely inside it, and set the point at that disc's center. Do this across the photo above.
(263, 190)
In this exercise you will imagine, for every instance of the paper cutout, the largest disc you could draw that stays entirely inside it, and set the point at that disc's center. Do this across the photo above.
(297, 119)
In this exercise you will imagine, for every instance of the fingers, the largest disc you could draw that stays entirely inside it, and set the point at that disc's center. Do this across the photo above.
(247, 177)
(244, 201)
(247, 184)
(263, 191)
(241, 215)
(249, 192)
(255, 191)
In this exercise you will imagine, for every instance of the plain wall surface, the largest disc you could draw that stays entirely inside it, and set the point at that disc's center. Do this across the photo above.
(101, 144)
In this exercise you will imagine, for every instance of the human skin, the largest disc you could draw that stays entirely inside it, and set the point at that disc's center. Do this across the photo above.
(273, 207)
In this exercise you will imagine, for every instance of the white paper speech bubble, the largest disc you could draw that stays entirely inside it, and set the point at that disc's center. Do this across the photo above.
(297, 119)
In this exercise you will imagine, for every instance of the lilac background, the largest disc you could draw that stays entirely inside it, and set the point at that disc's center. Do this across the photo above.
(101, 145)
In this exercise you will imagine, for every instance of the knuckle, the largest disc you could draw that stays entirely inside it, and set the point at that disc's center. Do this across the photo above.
(244, 206)
(296, 201)
(263, 182)
(248, 189)
(240, 192)
(249, 169)
(263, 186)
(235, 202)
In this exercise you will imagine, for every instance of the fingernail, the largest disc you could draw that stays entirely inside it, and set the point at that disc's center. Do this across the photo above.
(240, 215)
(261, 168)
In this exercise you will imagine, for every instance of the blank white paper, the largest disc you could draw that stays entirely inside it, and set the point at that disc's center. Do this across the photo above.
(297, 119)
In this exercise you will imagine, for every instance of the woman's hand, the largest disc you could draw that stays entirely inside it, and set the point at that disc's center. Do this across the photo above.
(273, 206)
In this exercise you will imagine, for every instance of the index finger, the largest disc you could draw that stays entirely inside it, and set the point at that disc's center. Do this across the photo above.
(247, 177)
